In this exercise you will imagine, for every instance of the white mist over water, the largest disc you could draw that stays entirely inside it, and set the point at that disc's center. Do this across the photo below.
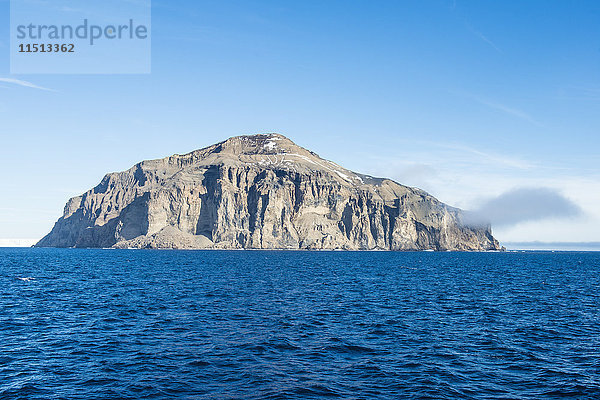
(17, 242)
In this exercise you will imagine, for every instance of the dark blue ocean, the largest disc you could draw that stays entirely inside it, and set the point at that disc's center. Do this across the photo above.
(136, 324)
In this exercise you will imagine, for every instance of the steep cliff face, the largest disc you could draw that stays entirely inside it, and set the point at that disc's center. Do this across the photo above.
(259, 192)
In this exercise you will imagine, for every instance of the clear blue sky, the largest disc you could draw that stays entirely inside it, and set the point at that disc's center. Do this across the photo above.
(466, 99)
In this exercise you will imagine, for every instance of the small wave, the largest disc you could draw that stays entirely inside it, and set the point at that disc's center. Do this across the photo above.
(405, 267)
(317, 390)
(198, 363)
(351, 349)
(26, 279)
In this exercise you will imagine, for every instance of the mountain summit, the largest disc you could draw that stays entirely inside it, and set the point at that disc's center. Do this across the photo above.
(259, 192)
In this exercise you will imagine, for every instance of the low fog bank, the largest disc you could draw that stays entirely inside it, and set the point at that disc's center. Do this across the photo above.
(522, 205)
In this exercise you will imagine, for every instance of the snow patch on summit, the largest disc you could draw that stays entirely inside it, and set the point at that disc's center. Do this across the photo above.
(270, 145)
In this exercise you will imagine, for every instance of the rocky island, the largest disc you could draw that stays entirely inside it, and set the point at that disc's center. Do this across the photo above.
(260, 192)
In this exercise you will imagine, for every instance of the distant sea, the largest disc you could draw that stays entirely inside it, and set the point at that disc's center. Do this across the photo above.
(137, 324)
(556, 246)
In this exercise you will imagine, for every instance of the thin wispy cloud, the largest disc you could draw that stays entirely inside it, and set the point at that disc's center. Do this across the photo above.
(579, 93)
(506, 161)
(509, 110)
(25, 84)
(484, 38)
(514, 112)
